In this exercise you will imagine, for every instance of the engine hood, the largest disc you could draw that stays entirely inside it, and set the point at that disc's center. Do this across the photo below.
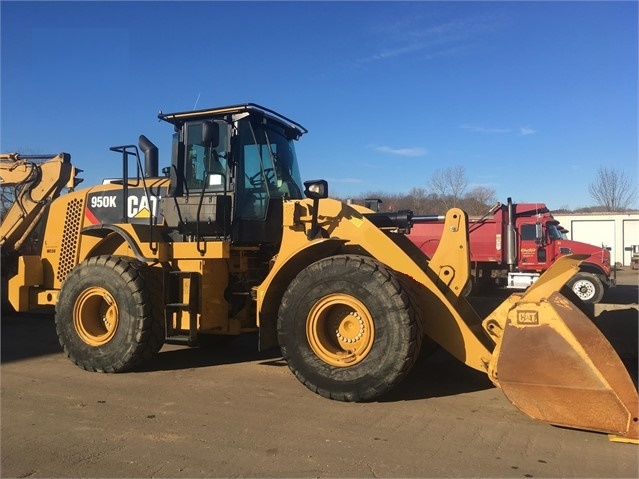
(598, 254)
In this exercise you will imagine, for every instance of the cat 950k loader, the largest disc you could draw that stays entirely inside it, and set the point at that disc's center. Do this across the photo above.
(227, 240)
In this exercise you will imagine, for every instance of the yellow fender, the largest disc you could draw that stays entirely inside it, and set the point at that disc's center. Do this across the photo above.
(446, 316)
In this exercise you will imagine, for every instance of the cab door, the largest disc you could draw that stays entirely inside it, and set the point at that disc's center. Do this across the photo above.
(533, 254)
(200, 201)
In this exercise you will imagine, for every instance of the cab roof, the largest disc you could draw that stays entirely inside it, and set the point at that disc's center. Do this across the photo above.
(180, 117)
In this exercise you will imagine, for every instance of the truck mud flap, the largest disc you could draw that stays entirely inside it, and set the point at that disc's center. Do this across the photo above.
(555, 365)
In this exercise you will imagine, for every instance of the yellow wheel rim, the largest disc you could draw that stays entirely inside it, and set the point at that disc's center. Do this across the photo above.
(340, 330)
(96, 316)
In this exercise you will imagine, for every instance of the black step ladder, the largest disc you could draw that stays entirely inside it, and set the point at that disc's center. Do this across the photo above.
(174, 288)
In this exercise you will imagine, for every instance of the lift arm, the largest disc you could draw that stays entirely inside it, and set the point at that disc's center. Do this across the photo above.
(35, 186)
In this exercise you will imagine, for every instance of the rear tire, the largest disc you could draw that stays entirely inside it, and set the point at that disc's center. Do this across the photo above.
(347, 329)
(106, 318)
(587, 287)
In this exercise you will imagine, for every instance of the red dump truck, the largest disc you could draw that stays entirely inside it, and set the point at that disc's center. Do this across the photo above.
(514, 244)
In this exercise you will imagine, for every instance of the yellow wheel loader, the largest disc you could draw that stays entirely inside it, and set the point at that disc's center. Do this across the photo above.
(227, 240)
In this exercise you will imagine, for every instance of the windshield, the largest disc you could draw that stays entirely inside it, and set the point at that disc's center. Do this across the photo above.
(553, 232)
(279, 162)
(269, 167)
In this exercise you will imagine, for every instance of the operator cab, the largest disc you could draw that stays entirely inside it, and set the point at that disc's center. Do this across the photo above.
(231, 169)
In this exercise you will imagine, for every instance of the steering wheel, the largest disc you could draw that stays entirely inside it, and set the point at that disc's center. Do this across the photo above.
(255, 180)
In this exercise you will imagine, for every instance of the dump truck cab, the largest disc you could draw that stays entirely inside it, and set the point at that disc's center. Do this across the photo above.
(231, 168)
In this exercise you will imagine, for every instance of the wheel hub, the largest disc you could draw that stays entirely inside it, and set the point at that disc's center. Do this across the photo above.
(583, 289)
(351, 329)
(340, 330)
(96, 316)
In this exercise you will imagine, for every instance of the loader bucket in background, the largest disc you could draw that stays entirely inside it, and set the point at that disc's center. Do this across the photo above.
(554, 364)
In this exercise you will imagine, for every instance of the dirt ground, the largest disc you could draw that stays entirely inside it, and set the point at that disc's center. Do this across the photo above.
(234, 412)
(625, 291)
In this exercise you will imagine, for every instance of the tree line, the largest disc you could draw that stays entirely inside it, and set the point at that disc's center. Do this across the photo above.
(612, 191)
(447, 188)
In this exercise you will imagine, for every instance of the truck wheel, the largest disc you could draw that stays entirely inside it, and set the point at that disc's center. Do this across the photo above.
(347, 329)
(587, 287)
(106, 317)
(470, 288)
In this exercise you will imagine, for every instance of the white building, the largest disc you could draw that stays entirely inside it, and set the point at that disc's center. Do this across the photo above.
(616, 230)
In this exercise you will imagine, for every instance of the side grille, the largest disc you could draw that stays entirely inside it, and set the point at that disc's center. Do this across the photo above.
(69, 239)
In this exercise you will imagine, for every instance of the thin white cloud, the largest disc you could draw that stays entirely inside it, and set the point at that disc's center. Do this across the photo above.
(483, 129)
(523, 131)
(370, 166)
(410, 152)
(487, 184)
(417, 34)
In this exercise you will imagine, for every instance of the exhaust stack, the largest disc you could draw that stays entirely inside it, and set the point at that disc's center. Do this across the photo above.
(511, 250)
(150, 157)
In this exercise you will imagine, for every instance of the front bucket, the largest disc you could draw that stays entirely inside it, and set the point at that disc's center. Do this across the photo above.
(555, 365)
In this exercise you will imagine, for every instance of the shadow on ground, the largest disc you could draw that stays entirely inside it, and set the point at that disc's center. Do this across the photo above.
(438, 374)
(27, 335)
(435, 373)
(242, 349)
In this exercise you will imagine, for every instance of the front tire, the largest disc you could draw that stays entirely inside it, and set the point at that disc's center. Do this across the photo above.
(347, 329)
(106, 317)
(587, 287)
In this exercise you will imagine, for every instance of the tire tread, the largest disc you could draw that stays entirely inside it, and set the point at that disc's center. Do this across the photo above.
(145, 336)
(397, 300)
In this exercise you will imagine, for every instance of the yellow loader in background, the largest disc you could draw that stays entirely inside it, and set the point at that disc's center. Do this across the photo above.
(229, 240)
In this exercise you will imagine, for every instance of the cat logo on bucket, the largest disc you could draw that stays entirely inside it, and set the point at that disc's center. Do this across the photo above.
(142, 206)
(527, 317)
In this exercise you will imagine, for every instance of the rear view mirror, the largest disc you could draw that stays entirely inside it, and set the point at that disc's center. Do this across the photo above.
(210, 134)
(539, 234)
(316, 189)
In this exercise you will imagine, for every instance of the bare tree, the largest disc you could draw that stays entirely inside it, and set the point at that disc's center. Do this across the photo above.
(8, 193)
(612, 189)
(7, 197)
(449, 184)
(478, 200)
(418, 197)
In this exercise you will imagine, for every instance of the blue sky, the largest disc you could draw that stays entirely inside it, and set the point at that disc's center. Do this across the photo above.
(529, 97)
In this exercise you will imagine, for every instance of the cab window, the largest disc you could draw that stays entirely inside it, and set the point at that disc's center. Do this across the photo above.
(527, 232)
(553, 232)
(205, 161)
(253, 192)
(267, 168)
